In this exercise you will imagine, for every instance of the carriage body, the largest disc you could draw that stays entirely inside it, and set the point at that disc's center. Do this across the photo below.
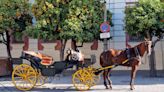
(25, 76)
(45, 64)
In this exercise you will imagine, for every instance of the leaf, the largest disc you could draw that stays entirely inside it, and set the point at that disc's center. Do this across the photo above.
(144, 17)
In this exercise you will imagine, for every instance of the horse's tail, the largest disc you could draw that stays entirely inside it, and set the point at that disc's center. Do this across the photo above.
(104, 60)
(101, 63)
(101, 59)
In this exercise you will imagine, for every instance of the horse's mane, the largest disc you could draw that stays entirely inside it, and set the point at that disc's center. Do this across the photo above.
(138, 44)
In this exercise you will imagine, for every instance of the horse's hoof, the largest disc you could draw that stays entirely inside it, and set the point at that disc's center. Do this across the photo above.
(111, 87)
(132, 88)
(107, 88)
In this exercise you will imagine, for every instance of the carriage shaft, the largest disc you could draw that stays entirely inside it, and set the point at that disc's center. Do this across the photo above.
(112, 66)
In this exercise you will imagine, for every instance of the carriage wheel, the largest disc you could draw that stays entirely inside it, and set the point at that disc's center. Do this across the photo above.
(40, 79)
(82, 80)
(24, 77)
(94, 78)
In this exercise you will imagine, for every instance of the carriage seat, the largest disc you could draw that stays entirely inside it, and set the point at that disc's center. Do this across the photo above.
(44, 59)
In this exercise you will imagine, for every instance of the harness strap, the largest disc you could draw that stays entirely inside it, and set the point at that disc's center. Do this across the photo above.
(138, 54)
(137, 51)
(128, 52)
(125, 61)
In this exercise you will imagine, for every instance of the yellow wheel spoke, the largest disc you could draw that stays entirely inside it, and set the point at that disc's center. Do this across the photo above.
(40, 79)
(22, 70)
(18, 71)
(18, 74)
(30, 81)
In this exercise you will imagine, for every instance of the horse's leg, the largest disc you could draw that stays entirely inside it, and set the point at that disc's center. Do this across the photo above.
(108, 78)
(133, 75)
(104, 76)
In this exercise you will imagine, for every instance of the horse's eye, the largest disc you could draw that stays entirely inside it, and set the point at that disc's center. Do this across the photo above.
(151, 46)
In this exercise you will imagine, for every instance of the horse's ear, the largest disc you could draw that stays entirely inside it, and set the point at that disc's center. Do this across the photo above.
(145, 39)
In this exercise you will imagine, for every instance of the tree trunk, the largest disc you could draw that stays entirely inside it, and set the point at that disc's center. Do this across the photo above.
(8, 44)
(152, 60)
(62, 49)
(10, 63)
(153, 71)
(74, 46)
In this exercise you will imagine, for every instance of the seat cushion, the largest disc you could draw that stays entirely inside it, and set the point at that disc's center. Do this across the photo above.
(47, 60)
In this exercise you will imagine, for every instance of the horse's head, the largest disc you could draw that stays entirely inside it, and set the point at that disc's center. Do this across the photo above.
(146, 46)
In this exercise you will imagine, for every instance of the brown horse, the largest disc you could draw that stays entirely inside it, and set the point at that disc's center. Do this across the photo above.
(130, 57)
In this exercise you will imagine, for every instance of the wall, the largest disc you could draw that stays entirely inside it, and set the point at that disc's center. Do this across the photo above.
(49, 50)
(117, 8)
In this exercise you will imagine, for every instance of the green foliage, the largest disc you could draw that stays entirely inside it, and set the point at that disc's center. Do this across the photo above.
(14, 15)
(67, 19)
(145, 17)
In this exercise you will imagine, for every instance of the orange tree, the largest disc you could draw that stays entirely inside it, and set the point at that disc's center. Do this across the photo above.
(146, 19)
(78, 20)
(14, 17)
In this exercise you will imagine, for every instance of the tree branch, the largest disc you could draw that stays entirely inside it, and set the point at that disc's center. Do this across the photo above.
(4, 42)
(80, 45)
(3, 39)
(148, 36)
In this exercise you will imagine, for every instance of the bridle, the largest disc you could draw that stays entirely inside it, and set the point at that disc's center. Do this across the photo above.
(138, 52)
(148, 46)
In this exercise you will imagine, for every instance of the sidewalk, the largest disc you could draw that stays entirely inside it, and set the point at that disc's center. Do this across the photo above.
(63, 83)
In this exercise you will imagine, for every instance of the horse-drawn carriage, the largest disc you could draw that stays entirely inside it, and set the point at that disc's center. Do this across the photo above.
(26, 76)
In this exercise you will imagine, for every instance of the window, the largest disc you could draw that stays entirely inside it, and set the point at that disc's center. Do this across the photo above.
(131, 2)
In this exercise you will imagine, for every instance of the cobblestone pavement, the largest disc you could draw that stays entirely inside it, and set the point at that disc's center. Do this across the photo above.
(64, 84)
